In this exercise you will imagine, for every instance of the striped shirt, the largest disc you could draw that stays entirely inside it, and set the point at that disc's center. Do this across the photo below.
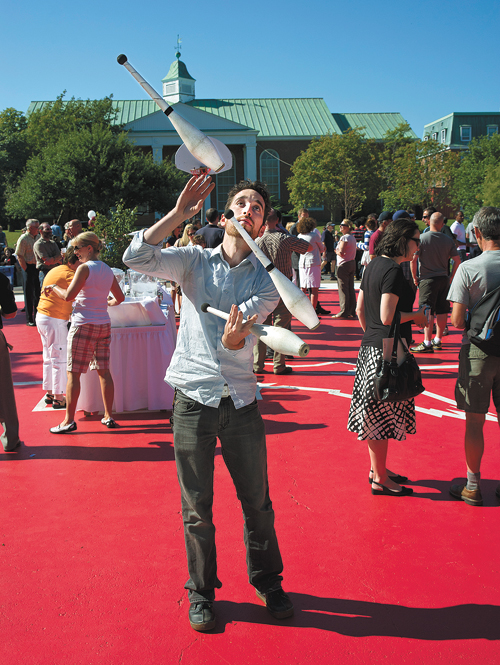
(278, 247)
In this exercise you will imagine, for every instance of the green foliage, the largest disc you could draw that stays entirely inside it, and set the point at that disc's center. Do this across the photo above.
(92, 168)
(337, 171)
(13, 153)
(415, 172)
(476, 170)
(114, 231)
(47, 124)
(491, 188)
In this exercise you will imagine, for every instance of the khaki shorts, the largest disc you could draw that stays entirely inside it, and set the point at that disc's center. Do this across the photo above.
(478, 379)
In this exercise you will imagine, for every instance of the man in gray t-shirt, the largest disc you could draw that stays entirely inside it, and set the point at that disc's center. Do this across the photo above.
(434, 255)
(479, 373)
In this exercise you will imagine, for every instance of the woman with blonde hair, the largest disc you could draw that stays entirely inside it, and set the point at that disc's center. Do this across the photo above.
(190, 231)
(90, 333)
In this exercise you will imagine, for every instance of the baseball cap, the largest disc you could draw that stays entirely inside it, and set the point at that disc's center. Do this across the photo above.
(384, 216)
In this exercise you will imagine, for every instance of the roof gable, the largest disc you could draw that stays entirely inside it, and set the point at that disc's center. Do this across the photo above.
(146, 116)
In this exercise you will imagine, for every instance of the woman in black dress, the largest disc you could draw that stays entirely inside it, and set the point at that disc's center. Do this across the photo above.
(383, 291)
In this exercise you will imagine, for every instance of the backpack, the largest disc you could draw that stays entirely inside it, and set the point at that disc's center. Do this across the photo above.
(483, 323)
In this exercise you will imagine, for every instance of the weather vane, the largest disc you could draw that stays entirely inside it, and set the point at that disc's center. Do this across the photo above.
(178, 47)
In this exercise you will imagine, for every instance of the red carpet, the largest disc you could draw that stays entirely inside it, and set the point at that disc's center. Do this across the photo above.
(93, 561)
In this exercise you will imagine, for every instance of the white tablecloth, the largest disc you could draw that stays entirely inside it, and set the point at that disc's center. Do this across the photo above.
(138, 361)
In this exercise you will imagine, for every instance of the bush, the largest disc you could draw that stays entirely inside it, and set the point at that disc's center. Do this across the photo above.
(114, 232)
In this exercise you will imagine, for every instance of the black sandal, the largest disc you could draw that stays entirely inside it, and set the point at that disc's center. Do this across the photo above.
(49, 399)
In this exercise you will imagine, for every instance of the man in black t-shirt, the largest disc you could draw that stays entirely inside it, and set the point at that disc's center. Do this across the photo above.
(211, 232)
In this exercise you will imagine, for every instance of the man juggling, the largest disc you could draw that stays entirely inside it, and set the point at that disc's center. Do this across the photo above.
(212, 374)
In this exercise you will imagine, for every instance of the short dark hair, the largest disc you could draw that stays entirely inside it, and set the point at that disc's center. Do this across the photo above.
(212, 215)
(257, 186)
(488, 222)
(431, 210)
(394, 241)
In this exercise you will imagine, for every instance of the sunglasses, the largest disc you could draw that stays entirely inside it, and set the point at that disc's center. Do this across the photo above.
(191, 234)
(417, 240)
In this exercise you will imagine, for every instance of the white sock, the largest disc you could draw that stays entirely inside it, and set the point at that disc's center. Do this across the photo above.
(437, 340)
(427, 343)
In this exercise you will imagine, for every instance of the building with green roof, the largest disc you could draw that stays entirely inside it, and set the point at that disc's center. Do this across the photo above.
(265, 136)
(456, 130)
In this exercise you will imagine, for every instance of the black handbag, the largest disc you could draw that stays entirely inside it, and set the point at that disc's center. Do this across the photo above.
(393, 382)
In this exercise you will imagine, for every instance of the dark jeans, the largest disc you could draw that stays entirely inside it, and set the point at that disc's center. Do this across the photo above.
(241, 433)
(31, 291)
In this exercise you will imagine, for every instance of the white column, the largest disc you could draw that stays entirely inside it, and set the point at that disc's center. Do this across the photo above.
(251, 160)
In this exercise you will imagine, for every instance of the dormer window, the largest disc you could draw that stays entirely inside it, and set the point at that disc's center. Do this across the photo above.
(465, 133)
(443, 136)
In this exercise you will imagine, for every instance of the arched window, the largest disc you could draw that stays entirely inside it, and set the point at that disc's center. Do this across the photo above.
(224, 182)
(270, 171)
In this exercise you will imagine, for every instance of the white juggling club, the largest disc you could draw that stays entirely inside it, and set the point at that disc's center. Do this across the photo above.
(199, 145)
(295, 300)
(279, 339)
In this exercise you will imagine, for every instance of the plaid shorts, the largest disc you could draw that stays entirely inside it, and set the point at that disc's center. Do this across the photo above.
(88, 345)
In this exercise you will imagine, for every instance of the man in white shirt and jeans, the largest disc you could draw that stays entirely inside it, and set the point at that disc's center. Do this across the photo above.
(212, 373)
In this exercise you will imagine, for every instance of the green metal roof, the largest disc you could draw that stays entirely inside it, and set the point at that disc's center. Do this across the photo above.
(374, 125)
(451, 124)
(274, 118)
(178, 70)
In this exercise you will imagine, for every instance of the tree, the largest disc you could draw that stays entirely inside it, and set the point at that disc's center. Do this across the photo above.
(93, 167)
(338, 171)
(415, 172)
(13, 153)
(491, 187)
(54, 119)
(476, 170)
(114, 230)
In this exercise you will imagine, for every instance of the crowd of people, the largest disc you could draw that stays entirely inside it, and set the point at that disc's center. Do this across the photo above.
(215, 363)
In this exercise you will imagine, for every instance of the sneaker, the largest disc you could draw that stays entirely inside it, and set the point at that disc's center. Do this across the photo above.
(277, 602)
(422, 348)
(436, 345)
(472, 497)
(202, 615)
(446, 331)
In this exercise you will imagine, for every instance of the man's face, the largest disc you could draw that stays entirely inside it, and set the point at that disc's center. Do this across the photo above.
(74, 229)
(345, 229)
(45, 230)
(248, 207)
(460, 217)
(33, 229)
(303, 215)
(426, 217)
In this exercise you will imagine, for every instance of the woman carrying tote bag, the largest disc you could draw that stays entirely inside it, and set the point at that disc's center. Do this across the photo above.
(383, 291)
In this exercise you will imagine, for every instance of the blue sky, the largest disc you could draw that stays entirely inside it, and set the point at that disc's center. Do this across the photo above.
(424, 59)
